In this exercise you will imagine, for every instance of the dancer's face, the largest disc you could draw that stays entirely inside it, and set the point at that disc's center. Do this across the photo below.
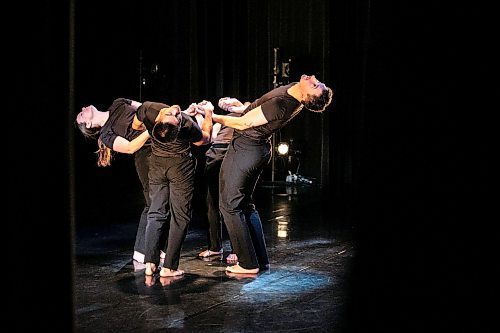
(86, 116)
(311, 86)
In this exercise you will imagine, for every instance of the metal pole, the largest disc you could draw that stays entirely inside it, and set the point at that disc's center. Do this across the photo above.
(275, 85)
(140, 76)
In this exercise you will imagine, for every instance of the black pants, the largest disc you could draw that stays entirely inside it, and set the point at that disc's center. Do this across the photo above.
(171, 186)
(141, 159)
(240, 171)
(214, 157)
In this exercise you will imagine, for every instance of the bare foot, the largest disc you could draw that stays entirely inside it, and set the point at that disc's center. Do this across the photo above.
(167, 272)
(168, 280)
(241, 276)
(149, 281)
(208, 253)
(232, 259)
(150, 269)
(240, 270)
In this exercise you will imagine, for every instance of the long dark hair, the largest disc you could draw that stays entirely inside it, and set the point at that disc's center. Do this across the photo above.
(104, 154)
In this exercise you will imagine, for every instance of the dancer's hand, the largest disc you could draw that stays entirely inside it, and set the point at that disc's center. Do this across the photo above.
(226, 103)
(206, 105)
(192, 110)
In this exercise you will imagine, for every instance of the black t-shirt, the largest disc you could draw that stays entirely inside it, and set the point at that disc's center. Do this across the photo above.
(119, 123)
(279, 107)
(189, 131)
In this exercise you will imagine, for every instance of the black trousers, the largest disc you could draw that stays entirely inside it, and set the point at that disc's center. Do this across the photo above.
(240, 171)
(141, 160)
(214, 157)
(171, 187)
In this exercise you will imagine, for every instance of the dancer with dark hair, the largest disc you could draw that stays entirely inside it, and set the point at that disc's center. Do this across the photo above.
(248, 153)
(222, 136)
(113, 130)
(171, 176)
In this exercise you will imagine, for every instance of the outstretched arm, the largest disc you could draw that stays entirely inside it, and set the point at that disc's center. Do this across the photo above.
(239, 109)
(252, 118)
(122, 145)
(231, 104)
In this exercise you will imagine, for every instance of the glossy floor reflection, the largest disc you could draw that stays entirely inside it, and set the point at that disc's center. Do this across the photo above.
(304, 290)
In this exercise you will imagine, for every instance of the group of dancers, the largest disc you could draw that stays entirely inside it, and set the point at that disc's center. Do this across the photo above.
(161, 136)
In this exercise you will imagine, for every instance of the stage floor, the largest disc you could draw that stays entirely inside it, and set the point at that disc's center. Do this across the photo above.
(305, 289)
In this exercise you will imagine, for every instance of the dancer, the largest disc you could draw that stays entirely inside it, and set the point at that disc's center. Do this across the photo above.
(222, 136)
(248, 153)
(113, 130)
(171, 176)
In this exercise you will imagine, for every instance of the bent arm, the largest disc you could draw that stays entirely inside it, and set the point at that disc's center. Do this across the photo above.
(122, 145)
(137, 124)
(199, 119)
(206, 130)
(252, 118)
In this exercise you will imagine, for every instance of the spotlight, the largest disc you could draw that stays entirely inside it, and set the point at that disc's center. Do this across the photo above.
(283, 148)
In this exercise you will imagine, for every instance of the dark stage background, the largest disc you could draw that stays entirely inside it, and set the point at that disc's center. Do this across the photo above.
(389, 152)
(183, 52)
(188, 51)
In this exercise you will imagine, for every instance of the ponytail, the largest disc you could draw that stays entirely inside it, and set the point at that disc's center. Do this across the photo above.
(104, 154)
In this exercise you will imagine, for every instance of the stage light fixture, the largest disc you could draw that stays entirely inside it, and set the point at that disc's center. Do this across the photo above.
(283, 148)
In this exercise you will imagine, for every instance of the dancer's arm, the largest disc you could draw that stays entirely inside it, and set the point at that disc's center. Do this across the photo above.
(206, 126)
(252, 118)
(122, 145)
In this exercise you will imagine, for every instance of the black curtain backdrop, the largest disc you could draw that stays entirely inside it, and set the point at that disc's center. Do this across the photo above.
(185, 51)
(389, 153)
(38, 240)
